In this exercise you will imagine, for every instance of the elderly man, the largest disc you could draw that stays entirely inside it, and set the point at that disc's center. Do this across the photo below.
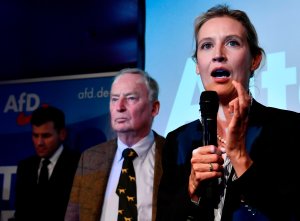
(133, 106)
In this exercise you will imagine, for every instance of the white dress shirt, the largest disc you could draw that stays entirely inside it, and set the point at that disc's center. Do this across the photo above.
(53, 160)
(144, 170)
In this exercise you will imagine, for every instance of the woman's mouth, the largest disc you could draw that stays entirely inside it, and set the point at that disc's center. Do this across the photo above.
(220, 73)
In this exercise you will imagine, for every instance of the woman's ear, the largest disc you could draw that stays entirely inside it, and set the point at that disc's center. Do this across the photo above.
(197, 70)
(256, 62)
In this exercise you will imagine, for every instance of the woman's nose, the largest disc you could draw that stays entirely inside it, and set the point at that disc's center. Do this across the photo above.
(219, 55)
(220, 58)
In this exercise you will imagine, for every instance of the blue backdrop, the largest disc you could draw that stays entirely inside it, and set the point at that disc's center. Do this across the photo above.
(85, 101)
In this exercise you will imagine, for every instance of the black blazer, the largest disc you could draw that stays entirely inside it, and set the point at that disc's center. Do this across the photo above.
(268, 190)
(35, 204)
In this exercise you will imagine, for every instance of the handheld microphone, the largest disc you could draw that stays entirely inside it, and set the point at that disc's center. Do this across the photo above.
(209, 105)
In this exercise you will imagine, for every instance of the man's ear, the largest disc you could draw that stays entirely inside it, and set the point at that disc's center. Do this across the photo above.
(63, 134)
(155, 108)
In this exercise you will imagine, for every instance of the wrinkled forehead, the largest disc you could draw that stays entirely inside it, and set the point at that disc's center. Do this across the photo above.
(129, 83)
(128, 77)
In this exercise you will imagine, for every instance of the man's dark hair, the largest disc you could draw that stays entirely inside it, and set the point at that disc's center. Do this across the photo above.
(46, 114)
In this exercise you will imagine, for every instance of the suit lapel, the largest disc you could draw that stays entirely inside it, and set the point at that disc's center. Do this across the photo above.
(159, 143)
(98, 181)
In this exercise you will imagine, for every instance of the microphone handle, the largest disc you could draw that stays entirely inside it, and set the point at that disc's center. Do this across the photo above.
(210, 138)
(209, 131)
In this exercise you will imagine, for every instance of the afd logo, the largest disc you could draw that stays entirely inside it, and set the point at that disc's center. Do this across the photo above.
(25, 102)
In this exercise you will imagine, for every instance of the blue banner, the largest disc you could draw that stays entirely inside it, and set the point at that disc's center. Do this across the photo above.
(85, 102)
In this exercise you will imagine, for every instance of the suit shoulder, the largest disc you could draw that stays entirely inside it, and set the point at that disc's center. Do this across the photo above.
(71, 155)
(158, 136)
(284, 112)
(187, 128)
(283, 117)
(110, 144)
(28, 160)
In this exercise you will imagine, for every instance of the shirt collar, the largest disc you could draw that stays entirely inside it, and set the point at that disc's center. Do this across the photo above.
(53, 159)
(141, 147)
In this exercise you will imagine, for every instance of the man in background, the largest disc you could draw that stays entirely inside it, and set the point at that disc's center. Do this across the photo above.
(133, 106)
(42, 192)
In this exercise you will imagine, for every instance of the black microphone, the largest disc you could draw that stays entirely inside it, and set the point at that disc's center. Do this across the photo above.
(209, 105)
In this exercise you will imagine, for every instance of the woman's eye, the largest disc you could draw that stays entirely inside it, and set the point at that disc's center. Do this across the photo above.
(206, 46)
(233, 43)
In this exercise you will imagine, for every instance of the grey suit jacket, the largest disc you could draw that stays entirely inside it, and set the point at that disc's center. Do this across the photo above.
(89, 185)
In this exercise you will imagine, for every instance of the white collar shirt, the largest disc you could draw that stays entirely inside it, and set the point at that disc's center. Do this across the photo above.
(53, 160)
(144, 170)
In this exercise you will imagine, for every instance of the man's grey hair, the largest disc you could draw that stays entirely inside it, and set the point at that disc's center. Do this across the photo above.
(151, 83)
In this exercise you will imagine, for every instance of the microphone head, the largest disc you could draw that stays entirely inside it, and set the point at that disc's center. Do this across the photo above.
(209, 103)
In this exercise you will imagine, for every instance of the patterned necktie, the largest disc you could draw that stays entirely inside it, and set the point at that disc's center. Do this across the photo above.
(126, 188)
(44, 175)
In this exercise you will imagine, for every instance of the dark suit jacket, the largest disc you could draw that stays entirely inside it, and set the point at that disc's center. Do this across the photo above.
(91, 178)
(35, 204)
(269, 190)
